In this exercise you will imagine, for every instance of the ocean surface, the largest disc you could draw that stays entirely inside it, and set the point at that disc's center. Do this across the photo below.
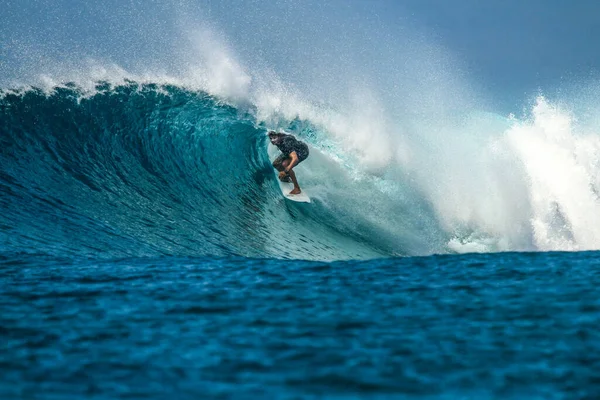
(450, 250)
(489, 326)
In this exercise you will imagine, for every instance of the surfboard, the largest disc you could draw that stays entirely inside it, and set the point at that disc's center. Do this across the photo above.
(286, 188)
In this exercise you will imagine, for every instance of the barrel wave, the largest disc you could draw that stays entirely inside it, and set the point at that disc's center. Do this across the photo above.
(147, 170)
(142, 169)
(136, 169)
(149, 139)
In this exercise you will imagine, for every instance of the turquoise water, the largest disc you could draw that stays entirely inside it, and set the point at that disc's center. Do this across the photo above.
(152, 170)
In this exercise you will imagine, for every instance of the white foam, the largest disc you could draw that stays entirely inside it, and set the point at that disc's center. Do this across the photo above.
(562, 173)
(531, 186)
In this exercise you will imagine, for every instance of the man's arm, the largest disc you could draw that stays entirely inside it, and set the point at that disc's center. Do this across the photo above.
(293, 163)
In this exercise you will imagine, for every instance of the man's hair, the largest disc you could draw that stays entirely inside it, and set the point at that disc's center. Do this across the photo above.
(273, 133)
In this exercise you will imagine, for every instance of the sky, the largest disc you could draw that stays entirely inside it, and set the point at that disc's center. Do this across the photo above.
(517, 45)
(510, 48)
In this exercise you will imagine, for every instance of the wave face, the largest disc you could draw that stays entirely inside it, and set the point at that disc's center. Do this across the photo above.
(142, 169)
(145, 170)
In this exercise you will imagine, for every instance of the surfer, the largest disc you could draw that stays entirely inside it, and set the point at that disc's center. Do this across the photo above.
(293, 152)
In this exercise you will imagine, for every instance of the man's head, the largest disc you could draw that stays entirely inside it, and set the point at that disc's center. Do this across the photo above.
(275, 137)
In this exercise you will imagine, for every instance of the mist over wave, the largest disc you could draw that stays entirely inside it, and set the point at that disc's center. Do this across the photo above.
(159, 142)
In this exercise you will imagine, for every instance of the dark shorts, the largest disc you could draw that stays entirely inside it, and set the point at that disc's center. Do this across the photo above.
(301, 152)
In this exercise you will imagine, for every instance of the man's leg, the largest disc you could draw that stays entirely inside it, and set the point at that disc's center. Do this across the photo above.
(296, 189)
(277, 163)
(301, 157)
(280, 164)
(285, 164)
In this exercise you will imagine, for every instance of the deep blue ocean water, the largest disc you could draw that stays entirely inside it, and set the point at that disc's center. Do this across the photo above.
(490, 326)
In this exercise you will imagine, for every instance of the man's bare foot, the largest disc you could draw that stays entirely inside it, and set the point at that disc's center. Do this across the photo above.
(296, 191)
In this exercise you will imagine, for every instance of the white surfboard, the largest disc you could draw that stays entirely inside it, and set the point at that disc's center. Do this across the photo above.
(286, 188)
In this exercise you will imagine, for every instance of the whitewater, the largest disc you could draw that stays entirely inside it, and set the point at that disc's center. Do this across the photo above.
(146, 250)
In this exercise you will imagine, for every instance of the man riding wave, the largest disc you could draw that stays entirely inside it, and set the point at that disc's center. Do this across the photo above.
(293, 152)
